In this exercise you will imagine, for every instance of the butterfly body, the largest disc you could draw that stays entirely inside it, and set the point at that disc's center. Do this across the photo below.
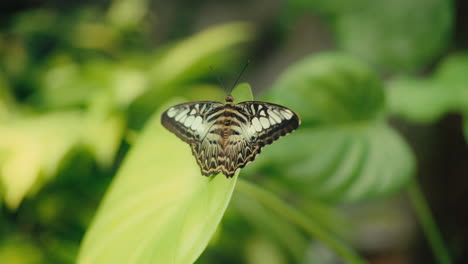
(225, 137)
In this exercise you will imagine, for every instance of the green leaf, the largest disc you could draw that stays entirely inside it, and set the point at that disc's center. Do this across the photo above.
(453, 69)
(33, 147)
(159, 209)
(271, 225)
(127, 14)
(344, 150)
(427, 100)
(419, 100)
(330, 89)
(394, 34)
(261, 250)
(195, 54)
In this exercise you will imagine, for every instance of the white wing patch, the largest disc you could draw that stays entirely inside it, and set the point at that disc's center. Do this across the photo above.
(196, 123)
(265, 123)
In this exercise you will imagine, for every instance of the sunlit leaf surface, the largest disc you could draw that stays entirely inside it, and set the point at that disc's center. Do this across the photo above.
(344, 150)
(160, 209)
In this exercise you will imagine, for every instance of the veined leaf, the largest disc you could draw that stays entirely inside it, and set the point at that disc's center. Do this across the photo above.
(344, 149)
(160, 209)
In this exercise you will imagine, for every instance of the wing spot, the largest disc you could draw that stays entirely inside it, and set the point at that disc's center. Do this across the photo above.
(272, 120)
(274, 116)
(182, 120)
(262, 113)
(287, 114)
(193, 112)
(188, 121)
(171, 112)
(264, 122)
(196, 123)
(253, 108)
(181, 114)
(256, 124)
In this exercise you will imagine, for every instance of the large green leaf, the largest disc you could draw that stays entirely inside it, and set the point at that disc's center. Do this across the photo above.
(344, 150)
(159, 209)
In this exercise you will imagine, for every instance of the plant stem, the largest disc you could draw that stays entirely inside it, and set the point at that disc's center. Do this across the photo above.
(296, 217)
(428, 224)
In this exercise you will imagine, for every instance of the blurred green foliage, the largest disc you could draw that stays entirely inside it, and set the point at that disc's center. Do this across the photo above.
(77, 89)
(427, 99)
(394, 36)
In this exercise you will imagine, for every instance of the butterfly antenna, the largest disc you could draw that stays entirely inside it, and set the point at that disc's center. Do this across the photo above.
(240, 74)
(219, 79)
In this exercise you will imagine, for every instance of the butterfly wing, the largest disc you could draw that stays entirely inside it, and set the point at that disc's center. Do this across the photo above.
(194, 124)
(260, 124)
(226, 139)
(188, 121)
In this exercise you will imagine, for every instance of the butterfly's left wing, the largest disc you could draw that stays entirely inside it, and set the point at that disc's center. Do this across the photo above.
(189, 121)
(259, 124)
(194, 123)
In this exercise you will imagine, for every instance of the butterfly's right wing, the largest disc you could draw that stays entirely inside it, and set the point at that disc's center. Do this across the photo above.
(261, 124)
(194, 123)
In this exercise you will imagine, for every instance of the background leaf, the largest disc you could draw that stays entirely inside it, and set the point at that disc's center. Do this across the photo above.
(344, 150)
(160, 209)
(394, 34)
(34, 147)
(425, 100)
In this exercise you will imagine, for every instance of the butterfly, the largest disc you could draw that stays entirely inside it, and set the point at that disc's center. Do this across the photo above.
(224, 137)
